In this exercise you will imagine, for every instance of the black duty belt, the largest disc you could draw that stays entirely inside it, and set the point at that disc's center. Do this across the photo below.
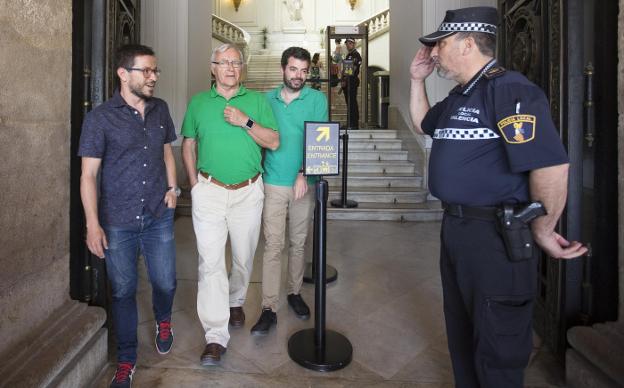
(486, 213)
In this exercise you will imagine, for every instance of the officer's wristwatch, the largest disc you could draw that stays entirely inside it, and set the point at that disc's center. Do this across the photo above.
(175, 189)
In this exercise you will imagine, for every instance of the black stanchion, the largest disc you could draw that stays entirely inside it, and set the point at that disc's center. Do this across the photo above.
(320, 349)
(343, 202)
(331, 274)
(309, 272)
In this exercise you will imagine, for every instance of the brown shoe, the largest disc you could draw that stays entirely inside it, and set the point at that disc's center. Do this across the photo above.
(212, 354)
(237, 316)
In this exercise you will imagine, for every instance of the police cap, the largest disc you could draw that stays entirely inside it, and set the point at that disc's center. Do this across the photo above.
(471, 19)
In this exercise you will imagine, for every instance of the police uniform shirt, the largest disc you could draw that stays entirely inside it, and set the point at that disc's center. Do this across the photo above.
(487, 135)
(356, 58)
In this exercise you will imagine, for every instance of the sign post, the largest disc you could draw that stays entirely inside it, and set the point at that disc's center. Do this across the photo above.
(318, 348)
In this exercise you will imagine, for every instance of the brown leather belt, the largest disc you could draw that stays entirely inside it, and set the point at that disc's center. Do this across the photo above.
(233, 186)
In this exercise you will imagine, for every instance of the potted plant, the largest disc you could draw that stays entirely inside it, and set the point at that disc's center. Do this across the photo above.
(322, 37)
(265, 39)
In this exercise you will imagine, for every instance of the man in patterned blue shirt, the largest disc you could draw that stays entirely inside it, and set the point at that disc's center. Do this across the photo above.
(129, 139)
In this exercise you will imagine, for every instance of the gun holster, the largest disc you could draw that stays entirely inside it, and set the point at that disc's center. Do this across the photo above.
(516, 235)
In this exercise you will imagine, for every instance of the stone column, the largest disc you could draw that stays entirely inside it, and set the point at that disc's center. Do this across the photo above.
(44, 333)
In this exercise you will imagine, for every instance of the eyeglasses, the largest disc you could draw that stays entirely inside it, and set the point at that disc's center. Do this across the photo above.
(225, 64)
(146, 71)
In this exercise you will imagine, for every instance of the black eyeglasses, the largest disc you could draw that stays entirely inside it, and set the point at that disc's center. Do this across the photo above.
(225, 63)
(146, 71)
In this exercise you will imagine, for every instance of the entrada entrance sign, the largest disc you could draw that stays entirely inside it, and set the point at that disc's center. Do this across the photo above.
(321, 148)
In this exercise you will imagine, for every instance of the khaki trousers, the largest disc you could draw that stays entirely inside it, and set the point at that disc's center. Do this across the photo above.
(279, 203)
(218, 212)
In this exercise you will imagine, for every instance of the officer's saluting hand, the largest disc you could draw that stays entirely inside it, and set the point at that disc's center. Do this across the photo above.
(501, 171)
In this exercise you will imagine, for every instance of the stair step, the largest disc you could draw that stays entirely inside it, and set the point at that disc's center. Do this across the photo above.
(384, 167)
(375, 144)
(372, 134)
(380, 194)
(377, 155)
(427, 211)
(69, 350)
(377, 180)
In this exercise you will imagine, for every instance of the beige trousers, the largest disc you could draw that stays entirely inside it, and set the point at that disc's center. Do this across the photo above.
(218, 212)
(279, 202)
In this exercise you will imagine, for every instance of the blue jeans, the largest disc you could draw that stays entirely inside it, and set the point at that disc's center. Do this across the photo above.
(154, 238)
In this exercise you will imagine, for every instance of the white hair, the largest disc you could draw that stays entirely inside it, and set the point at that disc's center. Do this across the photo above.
(223, 48)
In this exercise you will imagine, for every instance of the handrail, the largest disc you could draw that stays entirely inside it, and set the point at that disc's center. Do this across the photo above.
(378, 24)
(228, 32)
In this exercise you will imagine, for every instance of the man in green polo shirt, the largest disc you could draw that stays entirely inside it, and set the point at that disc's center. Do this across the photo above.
(286, 190)
(225, 129)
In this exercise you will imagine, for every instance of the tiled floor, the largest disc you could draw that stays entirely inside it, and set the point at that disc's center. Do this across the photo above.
(387, 301)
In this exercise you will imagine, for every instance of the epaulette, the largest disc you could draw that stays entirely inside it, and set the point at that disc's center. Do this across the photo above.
(494, 72)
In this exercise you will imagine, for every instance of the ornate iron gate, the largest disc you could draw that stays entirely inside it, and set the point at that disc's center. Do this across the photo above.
(123, 28)
(532, 40)
(99, 28)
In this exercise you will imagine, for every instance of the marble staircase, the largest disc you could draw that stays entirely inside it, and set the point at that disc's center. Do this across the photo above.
(382, 180)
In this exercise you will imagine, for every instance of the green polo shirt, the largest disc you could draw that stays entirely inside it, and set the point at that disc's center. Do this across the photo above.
(226, 151)
(282, 165)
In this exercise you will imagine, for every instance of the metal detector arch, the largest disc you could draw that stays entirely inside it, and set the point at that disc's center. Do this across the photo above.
(355, 32)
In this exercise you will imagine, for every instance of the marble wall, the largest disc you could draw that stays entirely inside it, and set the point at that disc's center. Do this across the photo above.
(181, 37)
(35, 81)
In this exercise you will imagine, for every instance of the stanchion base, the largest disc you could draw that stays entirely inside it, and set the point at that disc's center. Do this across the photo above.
(331, 274)
(349, 204)
(302, 350)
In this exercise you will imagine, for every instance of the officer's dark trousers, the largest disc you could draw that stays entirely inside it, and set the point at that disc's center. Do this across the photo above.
(488, 305)
(350, 95)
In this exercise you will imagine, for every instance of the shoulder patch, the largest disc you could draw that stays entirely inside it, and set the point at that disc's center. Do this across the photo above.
(517, 129)
(494, 72)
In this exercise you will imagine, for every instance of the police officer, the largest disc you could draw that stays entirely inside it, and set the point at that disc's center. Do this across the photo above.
(494, 147)
(350, 82)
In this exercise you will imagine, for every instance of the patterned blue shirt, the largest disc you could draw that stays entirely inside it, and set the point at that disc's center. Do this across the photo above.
(133, 176)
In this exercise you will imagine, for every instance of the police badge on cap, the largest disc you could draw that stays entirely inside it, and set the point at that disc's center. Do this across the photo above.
(472, 19)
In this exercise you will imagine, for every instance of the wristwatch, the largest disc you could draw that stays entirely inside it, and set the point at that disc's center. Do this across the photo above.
(249, 124)
(175, 189)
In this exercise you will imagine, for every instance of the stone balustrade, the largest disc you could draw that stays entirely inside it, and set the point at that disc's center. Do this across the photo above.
(228, 32)
(377, 24)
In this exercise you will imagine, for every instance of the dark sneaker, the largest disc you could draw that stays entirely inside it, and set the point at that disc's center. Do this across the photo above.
(212, 354)
(267, 319)
(164, 337)
(301, 309)
(123, 375)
